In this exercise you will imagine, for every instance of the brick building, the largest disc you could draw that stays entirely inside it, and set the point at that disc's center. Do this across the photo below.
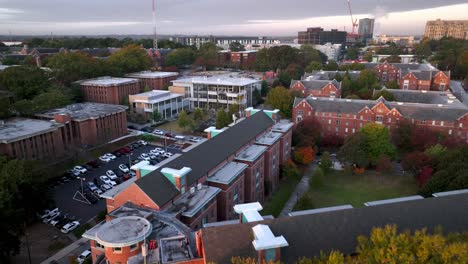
(33, 139)
(153, 80)
(412, 76)
(201, 185)
(89, 124)
(344, 117)
(437, 29)
(109, 90)
(317, 88)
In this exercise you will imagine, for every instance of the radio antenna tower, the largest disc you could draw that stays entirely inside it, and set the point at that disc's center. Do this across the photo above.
(155, 37)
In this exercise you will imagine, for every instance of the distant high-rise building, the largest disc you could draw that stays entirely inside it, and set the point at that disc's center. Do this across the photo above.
(437, 29)
(317, 36)
(366, 28)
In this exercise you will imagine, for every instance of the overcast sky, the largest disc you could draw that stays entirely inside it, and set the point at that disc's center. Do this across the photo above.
(218, 17)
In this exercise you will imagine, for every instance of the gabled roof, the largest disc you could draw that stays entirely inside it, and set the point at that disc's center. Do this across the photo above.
(407, 66)
(309, 234)
(420, 75)
(316, 84)
(205, 157)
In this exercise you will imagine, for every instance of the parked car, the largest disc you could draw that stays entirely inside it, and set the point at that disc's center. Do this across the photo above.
(91, 186)
(98, 191)
(144, 156)
(153, 156)
(147, 129)
(135, 145)
(105, 159)
(194, 139)
(73, 173)
(135, 161)
(93, 163)
(158, 132)
(142, 142)
(106, 180)
(119, 174)
(91, 198)
(57, 220)
(83, 256)
(111, 174)
(63, 222)
(132, 174)
(80, 169)
(110, 156)
(70, 227)
(124, 168)
(126, 177)
(105, 187)
(179, 137)
(51, 217)
(169, 135)
(117, 153)
(46, 213)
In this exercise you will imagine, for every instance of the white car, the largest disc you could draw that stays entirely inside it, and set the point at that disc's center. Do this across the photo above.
(80, 169)
(105, 159)
(110, 156)
(168, 154)
(108, 181)
(155, 151)
(111, 174)
(179, 137)
(123, 168)
(142, 142)
(158, 132)
(47, 212)
(145, 156)
(51, 217)
(70, 227)
(105, 187)
(84, 256)
(194, 139)
(98, 191)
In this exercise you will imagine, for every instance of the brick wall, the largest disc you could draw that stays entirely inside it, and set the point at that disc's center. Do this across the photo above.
(109, 94)
(132, 194)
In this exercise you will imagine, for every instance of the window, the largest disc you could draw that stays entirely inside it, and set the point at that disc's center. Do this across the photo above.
(423, 122)
(460, 125)
(450, 132)
(133, 247)
(361, 117)
(389, 120)
(346, 130)
(99, 246)
(441, 123)
(117, 249)
(405, 85)
(433, 122)
(442, 86)
(329, 121)
(338, 115)
(379, 119)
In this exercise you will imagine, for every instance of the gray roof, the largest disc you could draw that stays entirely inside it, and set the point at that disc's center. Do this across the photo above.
(408, 66)
(316, 84)
(425, 97)
(85, 111)
(409, 110)
(308, 235)
(16, 129)
(204, 157)
(327, 75)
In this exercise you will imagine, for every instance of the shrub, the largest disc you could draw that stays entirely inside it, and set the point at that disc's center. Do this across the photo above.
(304, 155)
(326, 163)
(384, 164)
(290, 170)
(317, 179)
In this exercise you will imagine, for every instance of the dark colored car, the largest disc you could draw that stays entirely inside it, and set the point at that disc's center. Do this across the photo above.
(91, 198)
(88, 167)
(135, 145)
(94, 163)
(127, 149)
(126, 177)
(63, 222)
(135, 161)
(147, 129)
(169, 135)
(117, 153)
(119, 173)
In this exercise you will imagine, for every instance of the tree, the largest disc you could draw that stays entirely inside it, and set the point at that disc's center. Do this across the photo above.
(184, 120)
(295, 71)
(353, 151)
(265, 88)
(377, 142)
(207, 55)
(198, 114)
(304, 155)
(284, 79)
(289, 170)
(72, 66)
(281, 99)
(402, 137)
(313, 66)
(385, 94)
(415, 161)
(352, 53)
(308, 54)
(236, 46)
(331, 66)
(326, 164)
(4, 108)
(156, 116)
(129, 59)
(180, 57)
(392, 85)
(233, 110)
(307, 133)
(222, 119)
(146, 89)
(368, 56)
(53, 98)
(392, 59)
(25, 82)
(384, 164)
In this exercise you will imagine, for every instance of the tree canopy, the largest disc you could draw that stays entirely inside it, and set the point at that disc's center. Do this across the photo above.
(280, 98)
(25, 81)
(236, 46)
(130, 59)
(179, 57)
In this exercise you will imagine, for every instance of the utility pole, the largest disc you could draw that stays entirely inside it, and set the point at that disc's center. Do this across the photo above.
(155, 38)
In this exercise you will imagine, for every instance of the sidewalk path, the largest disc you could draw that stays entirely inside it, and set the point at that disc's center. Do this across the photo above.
(62, 255)
(301, 188)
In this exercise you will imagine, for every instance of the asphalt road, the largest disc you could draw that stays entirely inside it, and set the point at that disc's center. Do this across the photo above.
(63, 194)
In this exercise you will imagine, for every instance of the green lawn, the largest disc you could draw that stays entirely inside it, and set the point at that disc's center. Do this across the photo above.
(276, 203)
(173, 126)
(340, 188)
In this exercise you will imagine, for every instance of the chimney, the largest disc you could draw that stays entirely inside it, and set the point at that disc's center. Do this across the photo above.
(212, 132)
(249, 212)
(268, 246)
(177, 177)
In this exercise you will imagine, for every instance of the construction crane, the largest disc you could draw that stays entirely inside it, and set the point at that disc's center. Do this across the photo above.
(353, 21)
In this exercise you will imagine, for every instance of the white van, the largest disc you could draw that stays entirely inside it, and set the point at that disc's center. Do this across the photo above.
(85, 255)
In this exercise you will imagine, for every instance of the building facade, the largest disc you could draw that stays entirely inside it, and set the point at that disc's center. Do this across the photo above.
(318, 36)
(153, 80)
(333, 51)
(366, 29)
(217, 91)
(317, 88)
(89, 124)
(31, 139)
(109, 90)
(399, 40)
(167, 104)
(437, 29)
(344, 117)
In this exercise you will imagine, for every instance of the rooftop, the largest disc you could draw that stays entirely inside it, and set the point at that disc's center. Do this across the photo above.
(217, 80)
(269, 138)
(174, 249)
(227, 173)
(16, 129)
(107, 81)
(152, 74)
(154, 96)
(337, 230)
(85, 111)
(123, 231)
(251, 153)
(190, 203)
(425, 97)
(283, 126)
(321, 210)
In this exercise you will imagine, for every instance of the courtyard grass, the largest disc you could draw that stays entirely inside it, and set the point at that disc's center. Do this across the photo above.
(275, 204)
(340, 188)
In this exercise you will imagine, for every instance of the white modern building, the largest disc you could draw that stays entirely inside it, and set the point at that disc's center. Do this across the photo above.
(333, 51)
(216, 91)
(168, 104)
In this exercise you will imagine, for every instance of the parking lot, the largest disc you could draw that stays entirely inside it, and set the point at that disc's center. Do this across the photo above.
(64, 192)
